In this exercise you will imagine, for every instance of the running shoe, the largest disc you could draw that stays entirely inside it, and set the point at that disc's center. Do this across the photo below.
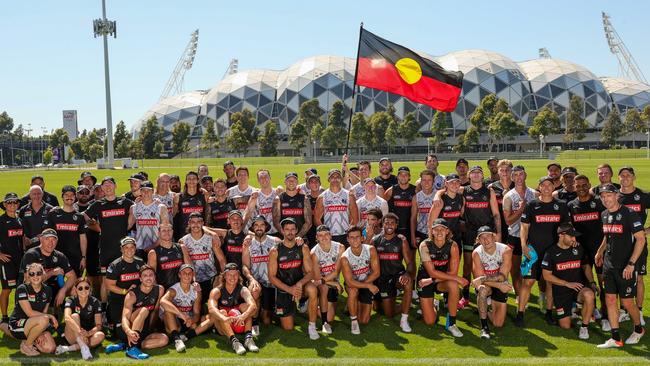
(485, 334)
(611, 343)
(250, 345)
(635, 337)
(179, 345)
(327, 328)
(238, 348)
(354, 328)
(404, 324)
(85, 351)
(455, 331)
(115, 347)
(584, 333)
(135, 353)
(605, 326)
(313, 334)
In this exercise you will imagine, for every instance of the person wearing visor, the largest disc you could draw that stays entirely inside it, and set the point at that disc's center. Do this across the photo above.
(11, 250)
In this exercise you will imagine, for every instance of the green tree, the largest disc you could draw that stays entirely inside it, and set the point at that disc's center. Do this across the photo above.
(472, 136)
(504, 126)
(19, 132)
(392, 112)
(633, 124)
(95, 151)
(612, 128)
(575, 123)
(545, 123)
(158, 148)
(121, 133)
(237, 139)
(392, 134)
(378, 124)
(338, 122)
(47, 156)
(210, 140)
(409, 129)
(482, 115)
(247, 120)
(135, 149)
(122, 148)
(359, 131)
(149, 134)
(298, 135)
(461, 146)
(439, 132)
(329, 139)
(180, 138)
(58, 138)
(308, 115)
(6, 123)
(317, 134)
(269, 140)
(80, 147)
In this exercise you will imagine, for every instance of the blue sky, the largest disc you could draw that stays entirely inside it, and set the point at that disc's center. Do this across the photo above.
(50, 60)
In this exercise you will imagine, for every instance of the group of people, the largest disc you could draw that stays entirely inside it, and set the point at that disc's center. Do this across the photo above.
(167, 262)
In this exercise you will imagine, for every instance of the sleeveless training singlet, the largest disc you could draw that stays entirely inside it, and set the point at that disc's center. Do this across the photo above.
(259, 253)
(147, 222)
(293, 207)
(515, 198)
(168, 201)
(264, 207)
(359, 264)
(336, 211)
(327, 260)
(491, 262)
(184, 301)
(168, 261)
(424, 201)
(202, 255)
(289, 264)
(232, 247)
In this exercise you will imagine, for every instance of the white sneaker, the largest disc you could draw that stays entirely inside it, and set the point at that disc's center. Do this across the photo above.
(436, 304)
(404, 324)
(255, 331)
(605, 326)
(302, 307)
(634, 338)
(183, 337)
(641, 319)
(238, 348)
(180, 346)
(455, 331)
(485, 334)
(250, 345)
(584, 333)
(415, 296)
(327, 328)
(313, 334)
(623, 316)
(611, 343)
(61, 349)
(354, 328)
(597, 314)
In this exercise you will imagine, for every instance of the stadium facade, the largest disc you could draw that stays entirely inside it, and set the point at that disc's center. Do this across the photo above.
(277, 95)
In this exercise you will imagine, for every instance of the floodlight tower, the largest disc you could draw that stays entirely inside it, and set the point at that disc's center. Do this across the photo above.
(175, 83)
(104, 28)
(543, 53)
(233, 67)
(627, 66)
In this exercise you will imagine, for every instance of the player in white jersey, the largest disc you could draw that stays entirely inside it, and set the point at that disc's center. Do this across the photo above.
(164, 195)
(147, 215)
(336, 208)
(514, 203)
(255, 256)
(364, 172)
(491, 263)
(370, 200)
(420, 208)
(261, 201)
(180, 309)
(326, 262)
(360, 266)
(204, 249)
(242, 192)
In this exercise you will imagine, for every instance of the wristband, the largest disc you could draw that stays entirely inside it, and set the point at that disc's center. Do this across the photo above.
(630, 263)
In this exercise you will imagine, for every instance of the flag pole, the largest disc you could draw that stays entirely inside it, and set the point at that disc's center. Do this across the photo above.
(354, 88)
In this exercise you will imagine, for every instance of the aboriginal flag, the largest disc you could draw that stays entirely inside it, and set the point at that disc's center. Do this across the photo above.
(387, 66)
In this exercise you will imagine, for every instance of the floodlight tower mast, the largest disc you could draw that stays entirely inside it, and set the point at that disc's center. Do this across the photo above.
(233, 67)
(175, 83)
(627, 66)
(543, 53)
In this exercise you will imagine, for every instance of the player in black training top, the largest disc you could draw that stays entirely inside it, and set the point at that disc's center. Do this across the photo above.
(220, 205)
(167, 257)
(621, 249)
(385, 178)
(70, 226)
(451, 207)
(539, 222)
(566, 268)
(11, 250)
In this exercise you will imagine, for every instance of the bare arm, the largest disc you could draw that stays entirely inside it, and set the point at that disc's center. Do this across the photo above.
(308, 218)
(277, 213)
(354, 211)
(318, 211)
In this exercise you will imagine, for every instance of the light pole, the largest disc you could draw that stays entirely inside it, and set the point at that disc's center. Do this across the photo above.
(541, 146)
(647, 144)
(103, 27)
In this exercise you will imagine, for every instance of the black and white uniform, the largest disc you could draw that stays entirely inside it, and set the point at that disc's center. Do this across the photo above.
(34, 222)
(289, 272)
(440, 257)
(639, 202)
(264, 207)
(69, 226)
(245, 195)
(327, 263)
(491, 266)
(125, 275)
(147, 223)
(184, 301)
(86, 313)
(336, 213)
(361, 269)
(259, 254)
(514, 239)
(400, 204)
(586, 219)
(364, 205)
(187, 204)
(499, 192)
(424, 202)
(11, 243)
(37, 300)
(202, 256)
(219, 213)
(477, 213)
(113, 218)
(168, 261)
(391, 265)
(168, 201)
(565, 264)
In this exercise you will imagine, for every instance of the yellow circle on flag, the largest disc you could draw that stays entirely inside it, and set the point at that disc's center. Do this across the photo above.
(409, 70)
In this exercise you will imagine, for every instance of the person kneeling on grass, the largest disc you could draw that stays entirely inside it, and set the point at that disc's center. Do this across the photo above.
(83, 321)
(140, 304)
(491, 262)
(181, 309)
(29, 321)
(231, 307)
(566, 267)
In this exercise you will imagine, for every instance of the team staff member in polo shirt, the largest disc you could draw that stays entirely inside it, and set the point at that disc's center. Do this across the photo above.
(34, 216)
(70, 227)
(621, 249)
(11, 250)
(48, 197)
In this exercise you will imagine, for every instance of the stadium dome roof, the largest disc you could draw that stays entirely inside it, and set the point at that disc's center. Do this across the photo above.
(184, 107)
(627, 93)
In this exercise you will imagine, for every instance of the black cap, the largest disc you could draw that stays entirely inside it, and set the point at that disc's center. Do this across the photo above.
(452, 177)
(440, 222)
(88, 174)
(476, 167)
(137, 176)
(263, 219)
(288, 220)
(11, 196)
(81, 187)
(231, 267)
(545, 178)
(49, 232)
(195, 215)
(569, 170)
(484, 229)
(144, 174)
(628, 168)
(108, 179)
(403, 169)
(291, 174)
(322, 228)
(38, 176)
(205, 178)
(461, 161)
(384, 158)
(68, 188)
(228, 162)
(126, 241)
(146, 185)
(553, 164)
(312, 170)
(354, 169)
(492, 158)
(96, 186)
(608, 187)
(568, 229)
(518, 168)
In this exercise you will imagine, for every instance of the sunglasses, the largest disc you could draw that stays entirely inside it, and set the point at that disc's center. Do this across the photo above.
(83, 192)
(83, 288)
(33, 274)
(11, 202)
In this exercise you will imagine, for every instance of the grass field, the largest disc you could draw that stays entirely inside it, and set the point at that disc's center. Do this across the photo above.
(381, 342)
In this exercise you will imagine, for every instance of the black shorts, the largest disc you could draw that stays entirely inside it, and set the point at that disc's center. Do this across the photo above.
(616, 284)
(498, 296)
(114, 309)
(284, 304)
(428, 291)
(16, 327)
(590, 256)
(536, 270)
(564, 303)
(343, 239)
(332, 295)
(206, 287)
(469, 240)
(92, 260)
(514, 242)
(387, 286)
(364, 296)
(87, 325)
(9, 275)
(267, 298)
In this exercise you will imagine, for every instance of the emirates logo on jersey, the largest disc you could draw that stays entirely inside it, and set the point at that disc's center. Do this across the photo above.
(14, 232)
(589, 216)
(290, 264)
(403, 203)
(477, 204)
(242, 205)
(234, 248)
(361, 271)
(184, 309)
(200, 256)
(634, 207)
(613, 229)
(567, 265)
(265, 210)
(490, 272)
(450, 214)
(547, 218)
(114, 212)
(220, 216)
(147, 222)
(171, 264)
(189, 210)
(424, 210)
(292, 211)
(440, 263)
(66, 227)
(389, 256)
(124, 277)
(336, 208)
(260, 259)
(325, 270)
